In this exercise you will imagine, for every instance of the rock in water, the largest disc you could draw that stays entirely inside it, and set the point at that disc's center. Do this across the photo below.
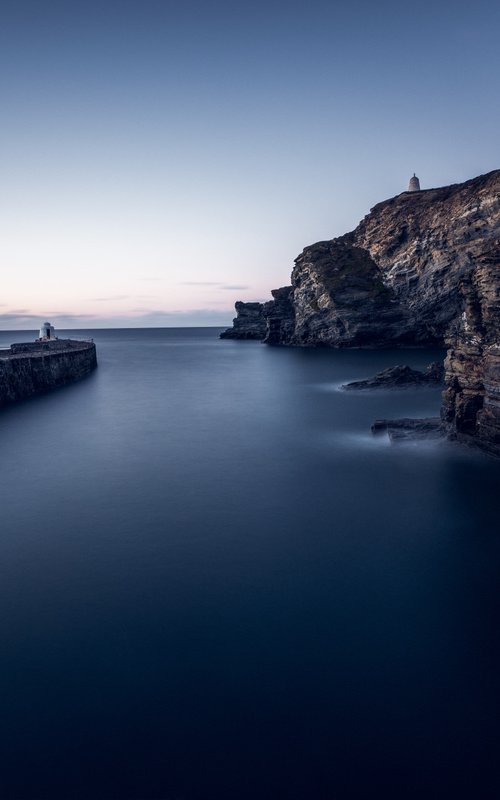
(409, 429)
(401, 377)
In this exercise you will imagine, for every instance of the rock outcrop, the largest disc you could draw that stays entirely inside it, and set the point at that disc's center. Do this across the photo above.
(279, 315)
(272, 322)
(340, 299)
(30, 368)
(401, 377)
(249, 322)
(422, 268)
(407, 429)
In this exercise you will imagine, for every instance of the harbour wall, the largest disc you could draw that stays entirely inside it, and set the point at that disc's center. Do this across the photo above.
(27, 369)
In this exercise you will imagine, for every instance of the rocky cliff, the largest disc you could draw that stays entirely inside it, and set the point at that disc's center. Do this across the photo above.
(471, 402)
(30, 368)
(421, 268)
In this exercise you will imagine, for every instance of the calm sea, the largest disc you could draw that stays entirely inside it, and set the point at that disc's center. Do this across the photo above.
(214, 583)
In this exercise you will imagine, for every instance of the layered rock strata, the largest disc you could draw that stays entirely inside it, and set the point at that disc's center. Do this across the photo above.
(394, 280)
(471, 407)
(30, 368)
(422, 268)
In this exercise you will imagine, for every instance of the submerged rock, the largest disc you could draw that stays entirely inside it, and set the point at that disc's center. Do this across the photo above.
(401, 377)
(407, 429)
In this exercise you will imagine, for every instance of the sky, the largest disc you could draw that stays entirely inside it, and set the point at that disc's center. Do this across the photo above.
(160, 160)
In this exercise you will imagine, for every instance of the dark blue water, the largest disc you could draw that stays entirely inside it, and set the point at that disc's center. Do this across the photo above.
(214, 583)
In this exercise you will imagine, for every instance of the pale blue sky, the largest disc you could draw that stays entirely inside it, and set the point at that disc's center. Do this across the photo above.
(160, 161)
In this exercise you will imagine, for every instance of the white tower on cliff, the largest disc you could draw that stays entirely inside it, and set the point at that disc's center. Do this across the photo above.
(47, 332)
(414, 185)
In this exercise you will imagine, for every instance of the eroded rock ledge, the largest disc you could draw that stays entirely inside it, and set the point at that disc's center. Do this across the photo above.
(422, 268)
(401, 377)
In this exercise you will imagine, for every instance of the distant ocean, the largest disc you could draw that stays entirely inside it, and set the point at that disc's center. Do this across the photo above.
(215, 583)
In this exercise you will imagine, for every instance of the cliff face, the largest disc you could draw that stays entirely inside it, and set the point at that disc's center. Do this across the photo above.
(471, 402)
(426, 242)
(340, 298)
(394, 280)
(421, 268)
(29, 369)
(279, 317)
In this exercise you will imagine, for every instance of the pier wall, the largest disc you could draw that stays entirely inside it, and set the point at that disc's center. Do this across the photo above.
(28, 369)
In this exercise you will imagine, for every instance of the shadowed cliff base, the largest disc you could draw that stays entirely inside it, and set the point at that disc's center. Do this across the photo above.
(422, 268)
